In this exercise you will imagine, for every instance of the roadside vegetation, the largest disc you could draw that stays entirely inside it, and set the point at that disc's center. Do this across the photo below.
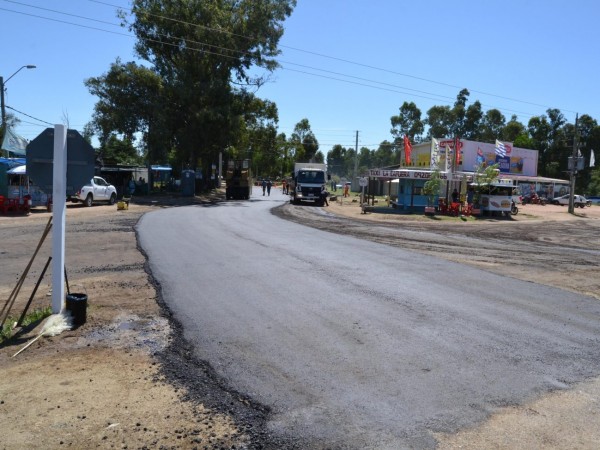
(35, 316)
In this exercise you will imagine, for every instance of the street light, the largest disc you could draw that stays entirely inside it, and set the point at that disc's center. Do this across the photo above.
(2, 83)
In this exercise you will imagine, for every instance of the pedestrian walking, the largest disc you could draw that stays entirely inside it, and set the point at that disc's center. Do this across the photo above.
(269, 184)
(283, 187)
(346, 190)
(264, 186)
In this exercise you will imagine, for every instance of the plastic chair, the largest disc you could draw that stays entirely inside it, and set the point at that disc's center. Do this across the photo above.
(442, 206)
(454, 209)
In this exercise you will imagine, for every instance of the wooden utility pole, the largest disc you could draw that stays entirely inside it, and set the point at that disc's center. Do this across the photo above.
(355, 158)
(573, 169)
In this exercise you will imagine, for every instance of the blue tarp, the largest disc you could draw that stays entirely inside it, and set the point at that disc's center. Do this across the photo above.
(12, 162)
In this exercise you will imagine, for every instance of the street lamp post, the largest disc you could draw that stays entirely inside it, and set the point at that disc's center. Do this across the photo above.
(2, 83)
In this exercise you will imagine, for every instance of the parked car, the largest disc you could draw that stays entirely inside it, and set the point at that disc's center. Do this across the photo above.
(97, 190)
(578, 200)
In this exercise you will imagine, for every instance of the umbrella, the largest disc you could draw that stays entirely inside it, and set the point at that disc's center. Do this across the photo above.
(19, 170)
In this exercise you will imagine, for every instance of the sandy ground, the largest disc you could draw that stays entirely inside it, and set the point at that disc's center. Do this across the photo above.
(119, 381)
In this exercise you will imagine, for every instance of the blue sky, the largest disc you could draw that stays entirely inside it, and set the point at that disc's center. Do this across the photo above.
(347, 65)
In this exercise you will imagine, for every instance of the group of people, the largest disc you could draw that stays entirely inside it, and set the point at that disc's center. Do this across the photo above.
(470, 196)
(266, 186)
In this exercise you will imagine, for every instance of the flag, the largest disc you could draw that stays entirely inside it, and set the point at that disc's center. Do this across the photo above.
(456, 152)
(407, 150)
(14, 143)
(500, 149)
(435, 154)
(446, 154)
(592, 159)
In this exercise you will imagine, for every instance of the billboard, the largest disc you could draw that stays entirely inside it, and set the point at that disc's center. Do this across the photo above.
(518, 161)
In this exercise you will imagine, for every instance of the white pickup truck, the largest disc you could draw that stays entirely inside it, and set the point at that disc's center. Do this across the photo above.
(97, 190)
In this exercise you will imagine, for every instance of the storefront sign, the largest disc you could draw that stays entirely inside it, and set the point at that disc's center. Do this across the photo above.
(409, 174)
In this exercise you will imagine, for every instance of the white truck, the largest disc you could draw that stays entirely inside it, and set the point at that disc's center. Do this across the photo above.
(97, 190)
(308, 181)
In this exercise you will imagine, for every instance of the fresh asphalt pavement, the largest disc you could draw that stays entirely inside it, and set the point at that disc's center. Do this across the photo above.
(354, 344)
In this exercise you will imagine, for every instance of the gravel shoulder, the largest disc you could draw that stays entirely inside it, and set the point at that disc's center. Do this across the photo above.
(126, 379)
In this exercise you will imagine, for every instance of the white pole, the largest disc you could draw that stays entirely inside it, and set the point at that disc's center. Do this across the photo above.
(220, 169)
(59, 195)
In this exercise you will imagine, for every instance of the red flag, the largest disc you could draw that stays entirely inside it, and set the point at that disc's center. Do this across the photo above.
(457, 151)
(407, 150)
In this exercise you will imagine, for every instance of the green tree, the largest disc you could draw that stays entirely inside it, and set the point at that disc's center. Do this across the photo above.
(484, 175)
(193, 97)
(431, 188)
(512, 130)
(303, 142)
(440, 122)
(593, 187)
(472, 122)
(126, 103)
(115, 150)
(459, 113)
(492, 125)
(408, 122)
(335, 160)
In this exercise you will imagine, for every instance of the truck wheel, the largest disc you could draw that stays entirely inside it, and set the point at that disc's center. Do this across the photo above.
(88, 200)
(113, 199)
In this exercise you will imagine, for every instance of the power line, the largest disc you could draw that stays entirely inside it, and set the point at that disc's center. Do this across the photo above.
(361, 81)
(439, 97)
(334, 58)
(31, 117)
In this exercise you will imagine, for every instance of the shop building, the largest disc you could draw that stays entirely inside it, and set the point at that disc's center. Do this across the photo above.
(405, 183)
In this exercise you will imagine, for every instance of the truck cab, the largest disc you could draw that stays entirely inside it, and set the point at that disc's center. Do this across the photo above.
(307, 183)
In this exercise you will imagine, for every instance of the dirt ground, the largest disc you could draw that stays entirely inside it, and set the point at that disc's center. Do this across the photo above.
(126, 378)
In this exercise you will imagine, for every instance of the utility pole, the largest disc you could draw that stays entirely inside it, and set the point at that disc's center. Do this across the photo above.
(356, 158)
(573, 169)
(2, 102)
(2, 106)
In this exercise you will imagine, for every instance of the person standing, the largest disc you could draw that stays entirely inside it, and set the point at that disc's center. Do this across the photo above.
(470, 195)
(455, 196)
(346, 189)
(324, 195)
(283, 186)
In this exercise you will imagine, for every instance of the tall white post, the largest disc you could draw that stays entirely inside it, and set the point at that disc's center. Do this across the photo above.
(59, 196)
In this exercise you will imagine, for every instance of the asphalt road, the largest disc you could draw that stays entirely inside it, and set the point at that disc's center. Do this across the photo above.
(355, 344)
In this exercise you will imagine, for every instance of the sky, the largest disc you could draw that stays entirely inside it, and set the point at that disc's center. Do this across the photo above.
(346, 65)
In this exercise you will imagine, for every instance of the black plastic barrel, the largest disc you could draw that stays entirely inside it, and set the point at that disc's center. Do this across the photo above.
(77, 305)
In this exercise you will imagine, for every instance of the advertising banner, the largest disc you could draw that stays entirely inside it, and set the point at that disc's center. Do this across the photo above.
(518, 161)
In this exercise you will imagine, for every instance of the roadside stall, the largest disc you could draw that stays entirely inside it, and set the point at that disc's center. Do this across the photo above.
(495, 198)
(22, 193)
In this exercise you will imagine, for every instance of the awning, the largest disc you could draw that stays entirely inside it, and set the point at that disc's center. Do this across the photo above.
(19, 170)
(161, 168)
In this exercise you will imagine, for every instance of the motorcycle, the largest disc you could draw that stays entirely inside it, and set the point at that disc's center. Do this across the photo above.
(534, 199)
(513, 208)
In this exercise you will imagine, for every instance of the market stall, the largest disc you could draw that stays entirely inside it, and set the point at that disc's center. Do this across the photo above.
(22, 193)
